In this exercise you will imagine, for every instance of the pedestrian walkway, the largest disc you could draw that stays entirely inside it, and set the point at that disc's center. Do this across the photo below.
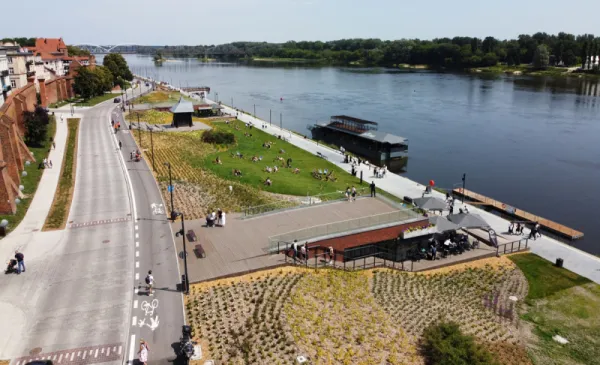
(575, 260)
(42, 201)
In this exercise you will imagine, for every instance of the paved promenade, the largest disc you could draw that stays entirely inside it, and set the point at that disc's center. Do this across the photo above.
(575, 260)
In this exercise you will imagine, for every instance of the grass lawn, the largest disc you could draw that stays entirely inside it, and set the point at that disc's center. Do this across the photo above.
(562, 303)
(31, 181)
(284, 181)
(98, 99)
(160, 96)
(59, 212)
(150, 116)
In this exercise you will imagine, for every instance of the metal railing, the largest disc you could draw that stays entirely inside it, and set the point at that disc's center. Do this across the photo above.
(319, 257)
(341, 227)
(514, 246)
(305, 201)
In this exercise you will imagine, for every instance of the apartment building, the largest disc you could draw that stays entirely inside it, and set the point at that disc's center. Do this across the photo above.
(5, 86)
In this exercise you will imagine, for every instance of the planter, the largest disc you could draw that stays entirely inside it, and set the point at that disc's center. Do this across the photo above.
(418, 233)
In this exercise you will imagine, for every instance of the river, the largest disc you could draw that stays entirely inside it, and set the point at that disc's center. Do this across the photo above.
(533, 143)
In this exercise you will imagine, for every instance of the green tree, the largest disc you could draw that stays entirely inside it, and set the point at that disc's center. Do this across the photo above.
(76, 51)
(118, 68)
(569, 58)
(445, 344)
(36, 126)
(89, 83)
(541, 57)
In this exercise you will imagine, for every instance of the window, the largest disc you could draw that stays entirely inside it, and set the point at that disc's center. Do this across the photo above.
(13, 84)
(11, 71)
(9, 59)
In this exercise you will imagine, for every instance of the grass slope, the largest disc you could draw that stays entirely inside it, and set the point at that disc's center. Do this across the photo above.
(59, 212)
(284, 181)
(160, 96)
(31, 181)
(97, 99)
(561, 303)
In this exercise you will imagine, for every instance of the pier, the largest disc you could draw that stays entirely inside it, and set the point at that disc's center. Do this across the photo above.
(521, 214)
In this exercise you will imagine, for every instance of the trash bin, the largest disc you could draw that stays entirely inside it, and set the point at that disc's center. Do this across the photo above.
(559, 262)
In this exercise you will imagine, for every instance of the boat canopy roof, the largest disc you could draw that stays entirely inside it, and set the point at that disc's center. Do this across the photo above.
(352, 119)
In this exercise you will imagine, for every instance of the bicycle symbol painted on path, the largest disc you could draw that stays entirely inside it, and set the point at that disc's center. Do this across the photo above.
(149, 308)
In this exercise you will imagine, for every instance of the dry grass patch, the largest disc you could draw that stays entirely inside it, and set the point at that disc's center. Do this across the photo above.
(197, 190)
(336, 320)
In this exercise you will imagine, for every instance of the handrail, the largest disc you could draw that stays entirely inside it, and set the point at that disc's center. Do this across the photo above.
(521, 246)
(343, 226)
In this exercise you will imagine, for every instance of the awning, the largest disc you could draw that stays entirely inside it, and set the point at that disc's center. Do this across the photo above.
(430, 203)
(468, 220)
(442, 224)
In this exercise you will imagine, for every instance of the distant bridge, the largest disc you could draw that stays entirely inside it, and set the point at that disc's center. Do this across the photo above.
(118, 48)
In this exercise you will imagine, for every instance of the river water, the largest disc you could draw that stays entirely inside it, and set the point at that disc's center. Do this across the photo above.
(533, 143)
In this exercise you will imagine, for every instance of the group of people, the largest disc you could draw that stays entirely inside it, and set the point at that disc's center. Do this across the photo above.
(270, 169)
(256, 158)
(218, 161)
(116, 125)
(515, 228)
(350, 193)
(135, 155)
(379, 172)
(216, 219)
(301, 252)
(267, 144)
(47, 163)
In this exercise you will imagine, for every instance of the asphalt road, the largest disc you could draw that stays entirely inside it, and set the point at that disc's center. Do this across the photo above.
(84, 301)
(158, 318)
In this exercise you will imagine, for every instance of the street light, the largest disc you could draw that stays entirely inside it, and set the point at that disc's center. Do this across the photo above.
(217, 97)
(185, 282)
(152, 147)
(139, 130)
(170, 186)
(254, 111)
(464, 179)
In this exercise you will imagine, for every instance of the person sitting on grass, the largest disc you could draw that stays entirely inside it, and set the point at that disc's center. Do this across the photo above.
(237, 172)
(268, 169)
(275, 169)
(268, 182)
(254, 158)
(296, 171)
(282, 151)
(218, 161)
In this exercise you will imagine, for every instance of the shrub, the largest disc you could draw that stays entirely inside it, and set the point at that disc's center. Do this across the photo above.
(445, 344)
(218, 137)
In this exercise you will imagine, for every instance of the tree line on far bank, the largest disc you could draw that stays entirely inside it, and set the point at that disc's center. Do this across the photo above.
(90, 82)
(458, 52)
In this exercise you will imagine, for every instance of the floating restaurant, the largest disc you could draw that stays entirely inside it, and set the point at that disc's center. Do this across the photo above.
(362, 138)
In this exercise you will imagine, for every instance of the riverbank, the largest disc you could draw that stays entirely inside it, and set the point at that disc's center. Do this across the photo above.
(550, 249)
(531, 71)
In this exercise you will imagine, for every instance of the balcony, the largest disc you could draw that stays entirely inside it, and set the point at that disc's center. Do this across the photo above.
(30, 73)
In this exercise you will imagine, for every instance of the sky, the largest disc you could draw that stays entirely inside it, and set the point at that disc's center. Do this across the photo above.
(193, 22)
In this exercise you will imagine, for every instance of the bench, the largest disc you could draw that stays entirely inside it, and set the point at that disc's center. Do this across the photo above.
(191, 236)
(199, 251)
(322, 156)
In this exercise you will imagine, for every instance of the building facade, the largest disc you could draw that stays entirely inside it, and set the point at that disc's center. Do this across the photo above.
(5, 86)
(20, 66)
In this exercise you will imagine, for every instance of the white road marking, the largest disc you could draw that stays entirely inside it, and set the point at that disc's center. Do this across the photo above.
(96, 354)
(108, 351)
(137, 264)
(102, 351)
(53, 358)
(72, 356)
(137, 276)
(132, 341)
(84, 353)
(78, 353)
(137, 235)
(137, 244)
(136, 290)
(60, 358)
(19, 362)
(133, 320)
(137, 253)
(131, 349)
(136, 227)
(135, 304)
(91, 352)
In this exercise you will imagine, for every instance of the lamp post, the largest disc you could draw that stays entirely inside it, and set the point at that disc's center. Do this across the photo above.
(270, 117)
(232, 102)
(464, 179)
(281, 121)
(168, 164)
(185, 280)
(254, 110)
(217, 97)
(139, 130)
(152, 147)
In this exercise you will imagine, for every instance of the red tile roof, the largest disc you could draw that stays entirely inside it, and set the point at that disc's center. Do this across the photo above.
(50, 45)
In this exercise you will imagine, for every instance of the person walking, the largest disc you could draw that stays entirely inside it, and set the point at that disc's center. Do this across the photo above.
(143, 352)
(331, 254)
(150, 283)
(54, 145)
(295, 249)
(303, 252)
(120, 145)
(373, 191)
(50, 163)
(353, 193)
(20, 261)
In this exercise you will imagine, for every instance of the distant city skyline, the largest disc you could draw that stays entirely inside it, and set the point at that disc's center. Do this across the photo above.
(189, 22)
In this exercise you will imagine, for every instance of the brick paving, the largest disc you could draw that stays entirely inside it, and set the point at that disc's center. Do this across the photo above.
(78, 356)
(240, 247)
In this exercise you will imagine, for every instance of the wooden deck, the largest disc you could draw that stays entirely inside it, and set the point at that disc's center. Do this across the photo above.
(546, 223)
